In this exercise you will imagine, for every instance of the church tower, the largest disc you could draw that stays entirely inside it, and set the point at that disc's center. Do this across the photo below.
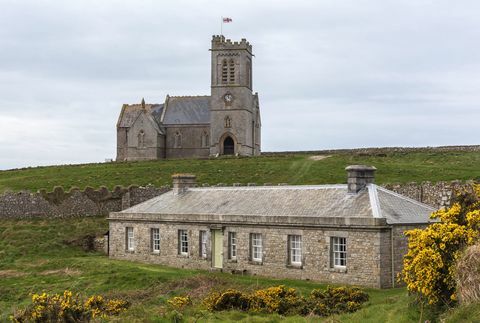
(234, 110)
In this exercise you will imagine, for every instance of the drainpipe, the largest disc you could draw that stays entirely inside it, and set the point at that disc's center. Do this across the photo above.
(392, 255)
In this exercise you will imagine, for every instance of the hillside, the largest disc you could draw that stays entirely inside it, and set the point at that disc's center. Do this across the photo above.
(292, 168)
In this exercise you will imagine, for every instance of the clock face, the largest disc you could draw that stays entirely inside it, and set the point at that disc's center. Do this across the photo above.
(228, 97)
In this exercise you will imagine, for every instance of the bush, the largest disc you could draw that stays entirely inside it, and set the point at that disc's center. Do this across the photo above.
(429, 265)
(179, 302)
(286, 301)
(68, 307)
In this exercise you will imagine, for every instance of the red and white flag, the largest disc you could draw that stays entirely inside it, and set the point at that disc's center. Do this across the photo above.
(227, 20)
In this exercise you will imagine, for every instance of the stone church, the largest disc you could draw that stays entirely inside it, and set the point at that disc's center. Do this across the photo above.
(227, 122)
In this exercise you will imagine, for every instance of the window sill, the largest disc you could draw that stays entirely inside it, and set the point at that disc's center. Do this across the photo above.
(338, 270)
(129, 251)
(293, 266)
(183, 256)
(156, 253)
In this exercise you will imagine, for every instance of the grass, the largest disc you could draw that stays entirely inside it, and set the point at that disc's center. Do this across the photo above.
(35, 257)
(395, 167)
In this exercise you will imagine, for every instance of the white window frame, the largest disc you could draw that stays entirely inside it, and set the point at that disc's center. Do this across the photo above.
(156, 240)
(338, 247)
(257, 247)
(203, 244)
(130, 238)
(295, 249)
(232, 245)
(183, 242)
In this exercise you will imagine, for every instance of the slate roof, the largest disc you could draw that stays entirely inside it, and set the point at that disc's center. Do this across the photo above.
(187, 110)
(321, 201)
(176, 110)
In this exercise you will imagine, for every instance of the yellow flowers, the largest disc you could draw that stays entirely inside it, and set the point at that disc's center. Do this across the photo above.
(429, 265)
(68, 307)
(179, 302)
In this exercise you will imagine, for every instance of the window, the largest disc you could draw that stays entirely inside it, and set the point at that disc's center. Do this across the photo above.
(178, 140)
(205, 140)
(228, 122)
(130, 239)
(231, 71)
(141, 139)
(224, 72)
(232, 245)
(338, 252)
(156, 240)
(203, 244)
(256, 249)
(183, 242)
(295, 250)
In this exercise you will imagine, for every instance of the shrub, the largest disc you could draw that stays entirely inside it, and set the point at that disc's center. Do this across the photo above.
(429, 265)
(337, 300)
(179, 302)
(285, 301)
(68, 307)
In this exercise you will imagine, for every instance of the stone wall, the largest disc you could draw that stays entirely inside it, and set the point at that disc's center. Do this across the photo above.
(59, 203)
(74, 203)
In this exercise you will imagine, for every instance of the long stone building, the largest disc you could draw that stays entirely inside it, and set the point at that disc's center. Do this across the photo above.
(227, 122)
(347, 234)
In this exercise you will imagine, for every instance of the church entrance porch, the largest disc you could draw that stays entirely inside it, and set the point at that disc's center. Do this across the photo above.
(228, 146)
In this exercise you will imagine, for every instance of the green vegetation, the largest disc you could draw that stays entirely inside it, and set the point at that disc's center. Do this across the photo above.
(38, 255)
(395, 167)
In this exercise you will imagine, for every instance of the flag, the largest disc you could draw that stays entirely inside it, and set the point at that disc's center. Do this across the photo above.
(227, 20)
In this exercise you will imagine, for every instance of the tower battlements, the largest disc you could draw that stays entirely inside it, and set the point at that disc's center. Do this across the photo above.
(220, 43)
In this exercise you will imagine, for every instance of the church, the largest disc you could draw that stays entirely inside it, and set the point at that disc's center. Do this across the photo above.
(227, 122)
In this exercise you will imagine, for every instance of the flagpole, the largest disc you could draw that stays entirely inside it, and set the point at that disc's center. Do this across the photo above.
(221, 26)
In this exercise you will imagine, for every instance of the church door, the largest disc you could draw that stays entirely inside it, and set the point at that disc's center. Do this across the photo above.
(228, 146)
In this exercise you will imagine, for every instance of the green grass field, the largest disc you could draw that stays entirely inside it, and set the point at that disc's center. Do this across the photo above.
(34, 257)
(392, 167)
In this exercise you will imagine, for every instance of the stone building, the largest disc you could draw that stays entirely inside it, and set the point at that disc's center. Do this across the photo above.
(346, 234)
(227, 122)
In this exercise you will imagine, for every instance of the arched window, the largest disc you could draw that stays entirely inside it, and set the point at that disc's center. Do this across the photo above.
(249, 74)
(228, 122)
(231, 71)
(224, 72)
(178, 140)
(141, 139)
(205, 140)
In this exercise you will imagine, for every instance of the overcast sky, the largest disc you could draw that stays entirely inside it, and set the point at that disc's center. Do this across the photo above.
(330, 74)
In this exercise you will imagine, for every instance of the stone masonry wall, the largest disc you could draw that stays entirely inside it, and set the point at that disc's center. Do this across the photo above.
(74, 203)
(363, 256)
(59, 203)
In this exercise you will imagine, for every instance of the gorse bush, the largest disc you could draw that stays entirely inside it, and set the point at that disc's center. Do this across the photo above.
(430, 263)
(179, 302)
(69, 307)
(286, 301)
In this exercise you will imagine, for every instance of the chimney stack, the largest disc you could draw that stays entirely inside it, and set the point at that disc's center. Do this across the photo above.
(181, 182)
(359, 176)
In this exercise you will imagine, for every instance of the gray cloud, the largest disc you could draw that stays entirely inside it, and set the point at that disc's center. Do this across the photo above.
(330, 74)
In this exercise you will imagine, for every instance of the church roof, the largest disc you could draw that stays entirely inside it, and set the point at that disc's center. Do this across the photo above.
(130, 113)
(317, 204)
(187, 110)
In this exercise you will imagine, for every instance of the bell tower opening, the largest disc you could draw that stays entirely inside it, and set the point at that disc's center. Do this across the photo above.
(228, 146)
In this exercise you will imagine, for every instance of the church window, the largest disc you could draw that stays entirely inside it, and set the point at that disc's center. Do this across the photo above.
(231, 71)
(224, 72)
(205, 140)
(178, 140)
(228, 122)
(141, 139)
(249, 74)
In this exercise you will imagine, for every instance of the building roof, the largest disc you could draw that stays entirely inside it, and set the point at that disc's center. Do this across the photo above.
(187, 110)
(321, 204)
(130, 113)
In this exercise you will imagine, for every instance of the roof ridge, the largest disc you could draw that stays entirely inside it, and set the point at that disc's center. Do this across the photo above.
(276, 187)
(403, 197)
(189, 96)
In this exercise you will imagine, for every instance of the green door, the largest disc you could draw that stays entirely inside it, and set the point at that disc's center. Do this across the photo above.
(217, 248)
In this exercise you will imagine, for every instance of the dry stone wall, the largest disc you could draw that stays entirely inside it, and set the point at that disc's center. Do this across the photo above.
(74, 203)
(89, 202)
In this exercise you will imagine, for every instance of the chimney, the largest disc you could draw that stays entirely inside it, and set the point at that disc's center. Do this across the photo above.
(359, 176)
(181, 182)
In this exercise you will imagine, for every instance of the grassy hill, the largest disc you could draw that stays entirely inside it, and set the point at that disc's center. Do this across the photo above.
(306, 168)
(51, 264)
